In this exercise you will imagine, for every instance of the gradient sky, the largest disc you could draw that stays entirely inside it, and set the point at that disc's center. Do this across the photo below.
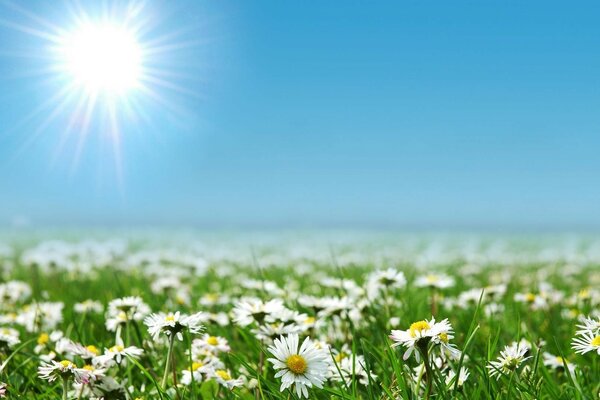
(325, 114)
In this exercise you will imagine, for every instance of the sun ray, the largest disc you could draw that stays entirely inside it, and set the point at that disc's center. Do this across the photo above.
(30, 31)
(111, 66)
(34, 17)
(169, 85)
(87, 118)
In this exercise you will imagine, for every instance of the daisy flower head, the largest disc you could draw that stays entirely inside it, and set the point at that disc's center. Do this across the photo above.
(213, 344)
(452, 378)
(223, 377)
(92, 373)
(88, 306)
(133, 307)
(64, 369)
(420, 334)
(9, 338)
(192, 374)
(116, 354)
(14, 291)
(390, 278)
(432, 280)
(302, 367)
(250, 310)
(444, 334)
(173, 324)
(586, 341)
(44, 316)
(557, 363)
(510, 359)
(77, 349)
(532, 300)
(269, 332)
(199, 369)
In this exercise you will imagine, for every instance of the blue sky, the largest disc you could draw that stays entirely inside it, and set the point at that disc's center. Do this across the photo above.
(392, 114)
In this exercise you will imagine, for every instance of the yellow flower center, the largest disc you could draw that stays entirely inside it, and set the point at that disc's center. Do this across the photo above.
(296, 364)
(88, 367)
(432, 279)
(596, 341)
(340, 357)
(93, 349)
(212, 340)
(511, 363)
(43, 339)
(309, 320)
(223, 375)
(170, 318)
(444, 337)
(560, 360)
(196, 365)
(117, 349)
(584, 293)
(530, 297)
(418, 327)
(573, 312)
(66, 364)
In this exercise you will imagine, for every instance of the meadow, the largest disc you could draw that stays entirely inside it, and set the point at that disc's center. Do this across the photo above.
(297, 317)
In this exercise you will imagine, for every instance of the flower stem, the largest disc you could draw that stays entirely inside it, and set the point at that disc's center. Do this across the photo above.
(433, 302)
(168, 363)
(428, 370)
(65, 388)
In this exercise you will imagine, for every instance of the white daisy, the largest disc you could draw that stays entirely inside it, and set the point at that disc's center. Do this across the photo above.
(199, 369)
(224, 378)
(88, 306)
(510, 360)
(9, 337)
(390, 278)
(440, 281)
(585, 342)
(451, 377)
(421, 333)
(173, 324)
(123, 310)
(250, 310)
(116, 354)
(302, 367)
(557, 362)
(64, 369)
(214, 344)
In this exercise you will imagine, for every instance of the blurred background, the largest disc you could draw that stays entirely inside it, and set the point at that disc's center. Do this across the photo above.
(301, 115)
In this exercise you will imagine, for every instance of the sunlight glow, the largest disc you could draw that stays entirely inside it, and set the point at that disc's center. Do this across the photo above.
(102, 58)
(111, 68)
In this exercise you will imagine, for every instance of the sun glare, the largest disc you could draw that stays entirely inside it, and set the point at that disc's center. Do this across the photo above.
(102, 58)
(110, 65)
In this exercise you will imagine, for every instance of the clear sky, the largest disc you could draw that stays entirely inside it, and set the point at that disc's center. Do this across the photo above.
(302, 113)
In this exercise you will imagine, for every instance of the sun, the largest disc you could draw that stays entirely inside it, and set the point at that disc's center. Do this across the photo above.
(102, 58)
(109, 72)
